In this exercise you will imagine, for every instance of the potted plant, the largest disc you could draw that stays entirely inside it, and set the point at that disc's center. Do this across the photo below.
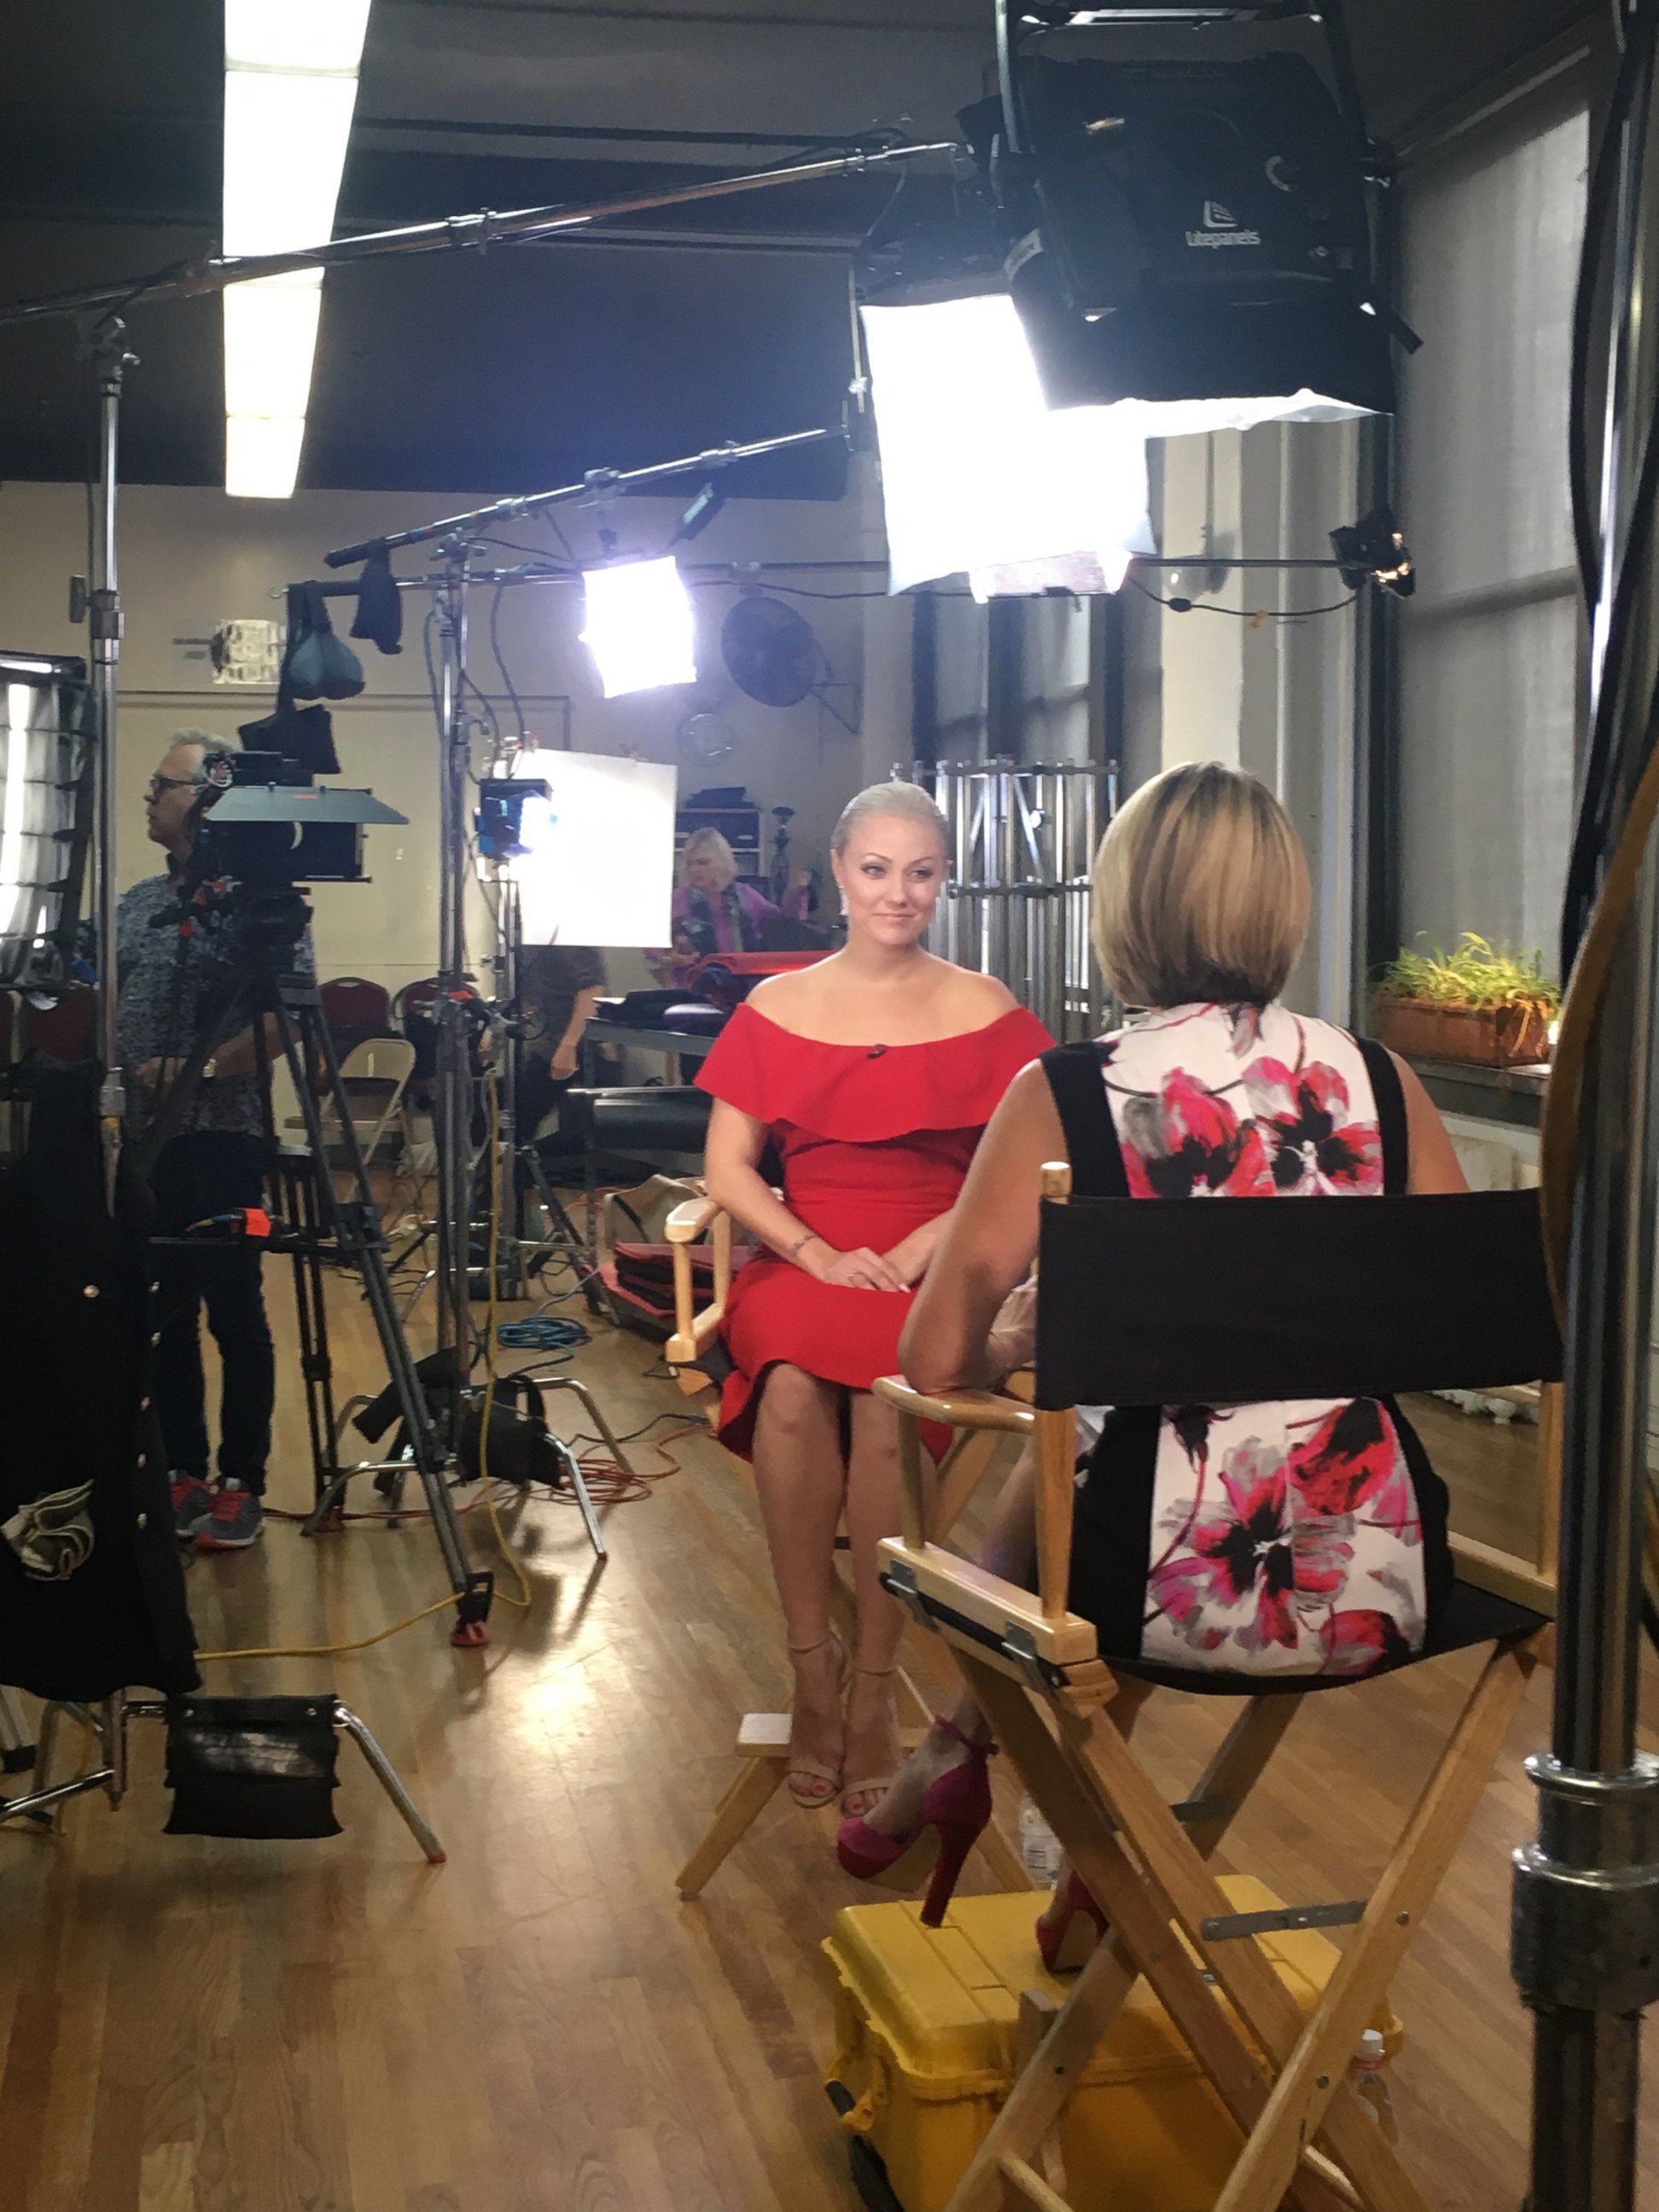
(1476, 1003)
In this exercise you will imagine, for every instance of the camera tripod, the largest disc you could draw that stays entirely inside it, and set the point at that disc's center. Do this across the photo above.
(316, 1225)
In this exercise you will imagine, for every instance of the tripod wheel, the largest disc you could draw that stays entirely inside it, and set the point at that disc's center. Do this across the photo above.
(470, 1635)
(331, 1523)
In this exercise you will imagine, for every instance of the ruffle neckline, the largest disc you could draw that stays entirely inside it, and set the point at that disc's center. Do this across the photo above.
(869, 1094)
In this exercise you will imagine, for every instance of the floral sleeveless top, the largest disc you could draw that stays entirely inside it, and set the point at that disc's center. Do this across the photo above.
(1285, 1537)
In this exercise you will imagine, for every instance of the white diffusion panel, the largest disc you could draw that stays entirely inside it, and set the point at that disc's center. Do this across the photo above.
(599, 866)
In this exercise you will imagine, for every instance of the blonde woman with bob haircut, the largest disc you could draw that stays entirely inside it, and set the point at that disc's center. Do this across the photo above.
(870, 1076)
(1278, 1540)
(713, 912)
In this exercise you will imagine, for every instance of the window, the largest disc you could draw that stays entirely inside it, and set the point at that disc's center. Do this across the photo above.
(1489, 649)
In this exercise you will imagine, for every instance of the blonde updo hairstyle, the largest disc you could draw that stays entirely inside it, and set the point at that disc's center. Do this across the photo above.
(712, 844)
(1202, 891)
(908, 800)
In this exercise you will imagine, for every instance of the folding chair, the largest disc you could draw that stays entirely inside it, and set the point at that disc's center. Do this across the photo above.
(1172, 1304)
(355, 1010)
(762, 1741)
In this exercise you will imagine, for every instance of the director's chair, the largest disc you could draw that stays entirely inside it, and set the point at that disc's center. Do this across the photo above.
(1186, 1304)
(702, 1229)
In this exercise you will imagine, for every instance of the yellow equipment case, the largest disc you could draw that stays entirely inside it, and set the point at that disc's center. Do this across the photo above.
(926, 2053)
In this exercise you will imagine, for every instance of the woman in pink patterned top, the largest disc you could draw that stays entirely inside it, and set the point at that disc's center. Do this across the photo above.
(713, 912)
(1282, 1539)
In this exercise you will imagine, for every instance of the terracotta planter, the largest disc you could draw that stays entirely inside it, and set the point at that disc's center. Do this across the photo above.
(1490, 1036)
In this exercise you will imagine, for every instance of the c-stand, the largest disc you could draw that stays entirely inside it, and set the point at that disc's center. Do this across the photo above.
(316, 1225)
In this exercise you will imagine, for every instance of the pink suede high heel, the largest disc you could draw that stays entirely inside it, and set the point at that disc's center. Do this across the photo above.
(954, 1815)
(1072, 1927)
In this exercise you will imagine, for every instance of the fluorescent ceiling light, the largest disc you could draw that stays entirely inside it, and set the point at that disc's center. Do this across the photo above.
(262, 455)
(291, 92)
(978, 473)
(270, 338)
(285, 147)
(312, 34)
(638, 626)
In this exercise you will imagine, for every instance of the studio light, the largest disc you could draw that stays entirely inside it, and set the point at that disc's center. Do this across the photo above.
(1373, 550)
(979, 474)
(1193, 236)
(291, 92)
(46, 817)
(638, 625)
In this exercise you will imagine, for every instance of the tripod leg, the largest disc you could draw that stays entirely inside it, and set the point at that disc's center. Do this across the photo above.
(392, 1781)
(316, 1365)
(360, 1240)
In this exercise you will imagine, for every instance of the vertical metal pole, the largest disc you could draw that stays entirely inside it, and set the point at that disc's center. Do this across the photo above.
(999, 853)
(1062, 948)
(509, 1050)
(1091, 836)
(111, 362)
(1586, 1898)
(962, 948)
(454, 1147)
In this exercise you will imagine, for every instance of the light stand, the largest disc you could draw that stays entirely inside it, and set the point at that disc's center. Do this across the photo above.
(452, 1118)
(106, 347)
(1586, 1894)
(456, 536)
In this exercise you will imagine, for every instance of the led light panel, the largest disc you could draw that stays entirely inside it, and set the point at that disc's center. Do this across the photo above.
(638, 626)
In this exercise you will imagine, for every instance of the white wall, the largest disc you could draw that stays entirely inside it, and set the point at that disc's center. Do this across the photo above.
(189, 558)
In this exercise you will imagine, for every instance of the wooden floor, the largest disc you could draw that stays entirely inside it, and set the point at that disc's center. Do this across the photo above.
(539, 2026)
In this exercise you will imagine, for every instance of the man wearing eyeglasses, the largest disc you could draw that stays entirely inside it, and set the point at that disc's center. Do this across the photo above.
(213, 1164)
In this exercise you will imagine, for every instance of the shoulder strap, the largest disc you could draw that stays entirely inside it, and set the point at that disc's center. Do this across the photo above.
(1390, 1100)
(1085, 1114)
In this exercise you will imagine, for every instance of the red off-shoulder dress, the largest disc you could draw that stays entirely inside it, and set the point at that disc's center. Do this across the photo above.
(875, 1140)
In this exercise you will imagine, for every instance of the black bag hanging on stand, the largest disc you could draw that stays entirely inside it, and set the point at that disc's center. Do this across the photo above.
(379, 605)
(317, 664)
(316, 667)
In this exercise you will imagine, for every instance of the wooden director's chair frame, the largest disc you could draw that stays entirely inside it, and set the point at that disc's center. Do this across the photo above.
(1035, 1671)
(763, 1740)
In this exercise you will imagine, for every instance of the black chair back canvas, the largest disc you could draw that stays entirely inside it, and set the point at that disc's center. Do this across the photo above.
(1196, 1301)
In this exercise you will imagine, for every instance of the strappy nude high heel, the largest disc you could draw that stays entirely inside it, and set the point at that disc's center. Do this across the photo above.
(809, 1781)
(874, 1787)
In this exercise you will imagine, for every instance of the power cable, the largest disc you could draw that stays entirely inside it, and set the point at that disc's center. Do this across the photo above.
(1182, 607)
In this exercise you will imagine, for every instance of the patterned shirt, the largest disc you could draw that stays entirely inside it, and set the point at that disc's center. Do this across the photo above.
(169, 981)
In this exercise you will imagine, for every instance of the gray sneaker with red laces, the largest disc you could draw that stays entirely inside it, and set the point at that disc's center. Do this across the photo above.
(237, 1519)
(193, 1506)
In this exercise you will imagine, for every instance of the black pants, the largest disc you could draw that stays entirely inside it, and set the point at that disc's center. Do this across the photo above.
(209, 1171)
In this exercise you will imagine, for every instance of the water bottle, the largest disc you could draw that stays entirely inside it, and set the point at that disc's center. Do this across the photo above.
(1039, 1847)
(1368, 2073)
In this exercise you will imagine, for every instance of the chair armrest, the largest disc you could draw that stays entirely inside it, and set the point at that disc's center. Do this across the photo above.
(688, 1222)
(960, 1589)
(961, 1409)
(694, 1332)
(1053, 1434)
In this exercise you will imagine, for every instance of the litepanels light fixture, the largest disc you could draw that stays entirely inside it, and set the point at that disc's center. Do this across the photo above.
(1191, 235)
(291, 92)
(638, 626)
(978, 474)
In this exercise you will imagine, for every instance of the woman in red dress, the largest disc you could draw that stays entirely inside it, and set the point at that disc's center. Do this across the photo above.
(872, 1074)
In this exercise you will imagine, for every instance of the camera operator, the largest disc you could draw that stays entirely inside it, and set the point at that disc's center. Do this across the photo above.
(171, 973)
